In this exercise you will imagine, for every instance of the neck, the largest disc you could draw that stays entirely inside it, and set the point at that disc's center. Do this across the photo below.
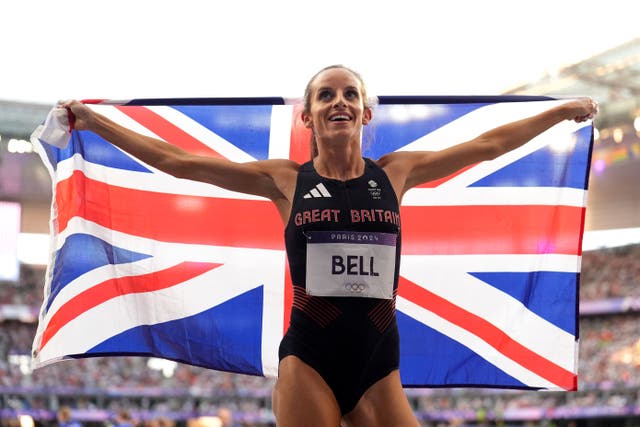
(341, 162)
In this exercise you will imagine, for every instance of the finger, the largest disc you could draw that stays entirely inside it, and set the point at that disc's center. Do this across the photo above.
(71, 117)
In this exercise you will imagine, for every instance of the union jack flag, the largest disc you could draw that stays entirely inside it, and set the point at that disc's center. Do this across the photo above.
(143, 263)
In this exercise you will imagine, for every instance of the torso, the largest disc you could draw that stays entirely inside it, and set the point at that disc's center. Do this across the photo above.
(351, 230)
(366, 204)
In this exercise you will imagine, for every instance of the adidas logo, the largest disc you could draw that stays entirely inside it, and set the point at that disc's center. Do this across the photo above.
(317, 192)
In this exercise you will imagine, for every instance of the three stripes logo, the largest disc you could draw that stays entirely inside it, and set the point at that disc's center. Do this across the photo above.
(318, 191)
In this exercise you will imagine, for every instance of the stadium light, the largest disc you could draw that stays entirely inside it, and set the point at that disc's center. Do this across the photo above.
(167, 367)
(618, 135)
(563, 145)
(33, 248)
(26, 421)
(19, 146)
(205, 421)
(599, 239)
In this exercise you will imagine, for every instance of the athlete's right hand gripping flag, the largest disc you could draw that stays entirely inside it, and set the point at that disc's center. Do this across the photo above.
(144, 263)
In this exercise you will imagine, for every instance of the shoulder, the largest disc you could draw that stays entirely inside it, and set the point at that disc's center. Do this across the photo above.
(283, 174)
(401, 162)
(276, 164)
(395, 166)
(401, 167)
(278, 167)
(391, 159)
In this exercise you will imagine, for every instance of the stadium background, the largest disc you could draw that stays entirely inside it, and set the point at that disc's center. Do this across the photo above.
(155, 391)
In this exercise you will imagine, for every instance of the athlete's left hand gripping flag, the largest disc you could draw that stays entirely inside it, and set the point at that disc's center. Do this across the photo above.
(142, 263)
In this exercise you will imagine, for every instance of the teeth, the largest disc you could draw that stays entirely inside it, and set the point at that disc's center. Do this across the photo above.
(340, 117)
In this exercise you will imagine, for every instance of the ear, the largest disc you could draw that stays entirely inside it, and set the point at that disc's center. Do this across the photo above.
(367, 114)
(306, 119)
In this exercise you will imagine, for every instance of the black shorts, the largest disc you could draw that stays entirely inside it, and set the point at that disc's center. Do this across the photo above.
(348, 358)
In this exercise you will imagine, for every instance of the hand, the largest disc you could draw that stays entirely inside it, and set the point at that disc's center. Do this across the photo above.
(582, 109)
(81, 117)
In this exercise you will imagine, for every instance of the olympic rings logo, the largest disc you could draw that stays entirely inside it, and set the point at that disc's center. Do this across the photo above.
(356, 288)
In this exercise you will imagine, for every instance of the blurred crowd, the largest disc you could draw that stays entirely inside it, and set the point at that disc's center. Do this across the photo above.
(610, 273)
(609, 367)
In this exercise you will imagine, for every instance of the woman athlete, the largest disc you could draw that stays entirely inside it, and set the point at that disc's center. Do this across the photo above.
(339, 359)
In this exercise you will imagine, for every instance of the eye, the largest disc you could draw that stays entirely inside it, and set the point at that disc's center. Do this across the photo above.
(352, 94)
(324, 95)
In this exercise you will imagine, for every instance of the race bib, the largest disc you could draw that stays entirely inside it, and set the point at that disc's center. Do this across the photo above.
(351, 264)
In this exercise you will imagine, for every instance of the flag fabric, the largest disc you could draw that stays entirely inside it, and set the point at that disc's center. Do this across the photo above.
(142, 263)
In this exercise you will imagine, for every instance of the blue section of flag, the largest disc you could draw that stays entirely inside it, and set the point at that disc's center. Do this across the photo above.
(50, 154)
(394, 126)
(206, 339)
(82, 253)
(429, 357)
(246, 126)
(94, 149)
(549, 294)
(563, 167)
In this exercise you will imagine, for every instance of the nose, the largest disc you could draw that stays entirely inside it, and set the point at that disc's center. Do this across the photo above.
(339, 100)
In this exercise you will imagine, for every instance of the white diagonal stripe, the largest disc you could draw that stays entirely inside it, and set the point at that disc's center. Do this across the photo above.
(90, 329)
(481, 299)
(202, 134)
(165, 255)
(473, 342)
(476, 122)
(122, 119)
(561, 131)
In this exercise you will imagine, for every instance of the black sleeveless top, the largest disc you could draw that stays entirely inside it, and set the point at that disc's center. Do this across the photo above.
(364, 204)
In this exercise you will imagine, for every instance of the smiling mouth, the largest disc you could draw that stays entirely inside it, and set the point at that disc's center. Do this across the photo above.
(340, 118)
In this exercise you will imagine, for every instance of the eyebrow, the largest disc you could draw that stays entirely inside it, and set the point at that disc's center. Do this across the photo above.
(330, 88)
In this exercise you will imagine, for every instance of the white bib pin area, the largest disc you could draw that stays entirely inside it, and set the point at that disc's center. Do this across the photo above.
(351, 264)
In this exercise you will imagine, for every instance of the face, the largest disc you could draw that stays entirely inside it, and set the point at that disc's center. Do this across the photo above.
(337, 108)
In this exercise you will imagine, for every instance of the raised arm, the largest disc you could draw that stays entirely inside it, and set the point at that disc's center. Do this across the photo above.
(409, 169)
(273, 179)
